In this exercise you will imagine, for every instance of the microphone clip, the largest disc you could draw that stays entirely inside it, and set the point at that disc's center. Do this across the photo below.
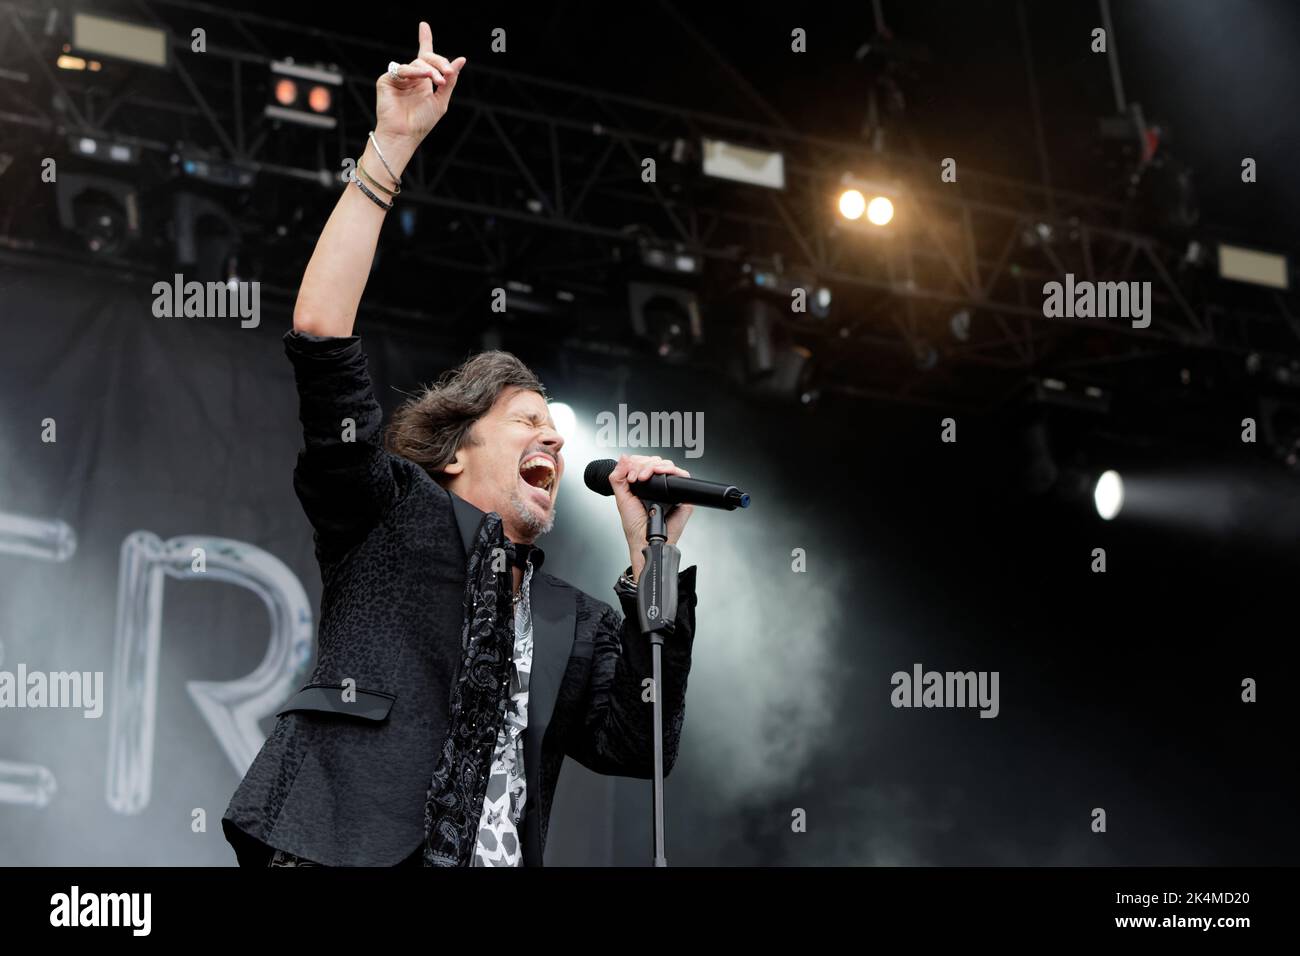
(657, 587)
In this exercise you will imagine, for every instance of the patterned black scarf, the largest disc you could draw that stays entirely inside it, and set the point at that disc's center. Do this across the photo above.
(478, 702)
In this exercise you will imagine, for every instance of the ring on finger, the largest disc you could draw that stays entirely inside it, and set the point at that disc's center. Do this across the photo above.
(393, 67)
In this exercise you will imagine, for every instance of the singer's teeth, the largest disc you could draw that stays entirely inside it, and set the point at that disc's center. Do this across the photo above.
(538, 472)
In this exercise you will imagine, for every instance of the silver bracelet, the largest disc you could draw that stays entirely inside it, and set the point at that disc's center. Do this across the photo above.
(380, 153)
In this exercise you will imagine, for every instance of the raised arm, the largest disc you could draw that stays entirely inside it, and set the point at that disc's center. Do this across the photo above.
(406, 109)
(343, 477)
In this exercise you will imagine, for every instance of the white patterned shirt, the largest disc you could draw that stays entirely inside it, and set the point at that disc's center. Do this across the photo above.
(503, 807)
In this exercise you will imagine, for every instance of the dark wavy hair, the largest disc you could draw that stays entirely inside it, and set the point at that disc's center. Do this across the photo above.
(429, 428)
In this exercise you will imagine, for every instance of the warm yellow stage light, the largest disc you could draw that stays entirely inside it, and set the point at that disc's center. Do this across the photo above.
(852, 204)
(880, 211)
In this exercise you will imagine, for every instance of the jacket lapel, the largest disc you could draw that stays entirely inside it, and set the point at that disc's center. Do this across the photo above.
(555, 614)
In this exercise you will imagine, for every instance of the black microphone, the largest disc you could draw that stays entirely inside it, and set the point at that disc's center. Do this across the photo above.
(668, 489)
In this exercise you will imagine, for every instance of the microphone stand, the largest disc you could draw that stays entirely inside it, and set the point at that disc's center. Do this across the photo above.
(657, 611)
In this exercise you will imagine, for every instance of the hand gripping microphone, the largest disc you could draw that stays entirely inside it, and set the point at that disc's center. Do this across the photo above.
(668, 489)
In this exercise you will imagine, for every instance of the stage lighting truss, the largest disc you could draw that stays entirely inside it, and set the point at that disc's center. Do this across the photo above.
(959, 265)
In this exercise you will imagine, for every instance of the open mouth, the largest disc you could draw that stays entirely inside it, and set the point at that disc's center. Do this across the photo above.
(538, 472)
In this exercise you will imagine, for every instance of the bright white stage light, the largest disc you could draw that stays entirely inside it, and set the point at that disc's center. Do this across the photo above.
(1108, 495)
(566, 422)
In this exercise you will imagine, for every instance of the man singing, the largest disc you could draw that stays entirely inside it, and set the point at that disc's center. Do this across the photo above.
(453, 674)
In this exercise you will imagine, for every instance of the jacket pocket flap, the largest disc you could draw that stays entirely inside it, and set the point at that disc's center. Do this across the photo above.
(369, 704)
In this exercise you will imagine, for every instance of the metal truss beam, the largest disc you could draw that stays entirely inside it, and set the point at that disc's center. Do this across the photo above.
(539, 157)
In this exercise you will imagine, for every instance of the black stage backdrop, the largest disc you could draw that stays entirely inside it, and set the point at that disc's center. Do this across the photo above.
(1118, 691)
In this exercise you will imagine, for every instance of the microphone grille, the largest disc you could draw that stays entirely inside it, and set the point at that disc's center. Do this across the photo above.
(597, 475)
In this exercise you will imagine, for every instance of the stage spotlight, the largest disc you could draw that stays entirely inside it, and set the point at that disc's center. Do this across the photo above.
(868, 205)
(852, 204)
(100, 221)
(821, 302)
(206, 239)
(791, 377)
(303, 94)
(104, 213)
(1074, 394)
(212, 171)
(104, 150)
(670, 257)
(319, 99)
(1108, 495)
(566, 422)
(667, 317)
(773, 365)
(782, 285)
(67, 61)
(286, 92)
(880, 211)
